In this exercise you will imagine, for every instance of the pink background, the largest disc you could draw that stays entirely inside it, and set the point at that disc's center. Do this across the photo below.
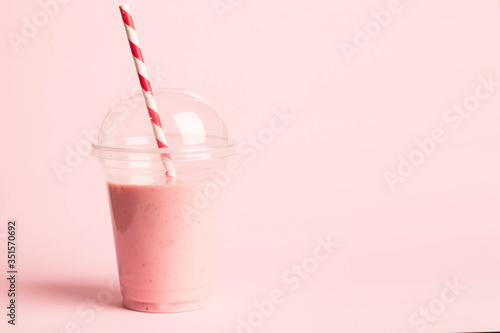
(323, 175)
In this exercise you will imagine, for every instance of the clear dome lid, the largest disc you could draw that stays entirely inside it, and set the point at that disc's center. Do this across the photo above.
(197, 140)
(188, 121)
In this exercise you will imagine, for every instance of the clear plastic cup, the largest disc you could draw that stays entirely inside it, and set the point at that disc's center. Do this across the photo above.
(163, 229)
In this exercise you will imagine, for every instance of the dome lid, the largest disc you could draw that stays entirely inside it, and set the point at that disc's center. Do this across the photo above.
(188, 121)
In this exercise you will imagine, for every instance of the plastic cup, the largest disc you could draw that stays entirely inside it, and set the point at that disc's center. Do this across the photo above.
(164, 230)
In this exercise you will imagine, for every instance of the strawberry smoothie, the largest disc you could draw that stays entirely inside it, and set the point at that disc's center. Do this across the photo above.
(163, 245)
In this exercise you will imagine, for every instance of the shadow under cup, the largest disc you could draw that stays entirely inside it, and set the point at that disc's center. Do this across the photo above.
(164, 227)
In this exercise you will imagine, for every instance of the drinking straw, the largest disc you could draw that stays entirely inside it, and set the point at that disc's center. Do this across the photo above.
(142, 72)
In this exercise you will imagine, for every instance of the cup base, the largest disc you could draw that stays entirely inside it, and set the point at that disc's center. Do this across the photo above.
(164, 307)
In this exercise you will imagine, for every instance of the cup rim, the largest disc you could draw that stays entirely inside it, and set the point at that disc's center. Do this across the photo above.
(178, 150)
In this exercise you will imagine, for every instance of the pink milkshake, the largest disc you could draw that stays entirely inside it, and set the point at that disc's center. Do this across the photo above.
(162, 246)
(163, 224)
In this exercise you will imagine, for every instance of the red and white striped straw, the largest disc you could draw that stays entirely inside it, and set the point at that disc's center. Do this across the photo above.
(142, 72)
